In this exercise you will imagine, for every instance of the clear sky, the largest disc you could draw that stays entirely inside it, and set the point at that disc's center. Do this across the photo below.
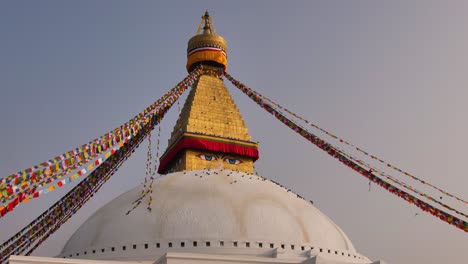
(389, 76)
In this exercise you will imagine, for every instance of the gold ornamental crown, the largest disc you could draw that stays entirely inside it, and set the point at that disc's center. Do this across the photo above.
(206, 46)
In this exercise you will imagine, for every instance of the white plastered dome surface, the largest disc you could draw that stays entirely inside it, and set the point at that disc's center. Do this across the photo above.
(210, 204)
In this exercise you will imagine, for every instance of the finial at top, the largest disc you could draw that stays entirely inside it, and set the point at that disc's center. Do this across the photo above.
(206, 47)
(208, 28)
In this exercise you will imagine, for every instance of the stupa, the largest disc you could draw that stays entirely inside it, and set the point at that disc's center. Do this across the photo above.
(208, 205)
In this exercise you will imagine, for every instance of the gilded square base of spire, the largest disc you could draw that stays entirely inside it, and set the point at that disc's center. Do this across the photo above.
(210, 132)
(196, 152)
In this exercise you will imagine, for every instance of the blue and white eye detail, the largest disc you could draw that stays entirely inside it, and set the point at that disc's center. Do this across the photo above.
(207, 157)
(232, 161)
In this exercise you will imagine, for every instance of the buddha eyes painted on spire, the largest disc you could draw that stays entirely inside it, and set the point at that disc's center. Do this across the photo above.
(212, 157)
(232, 161)
(208, 157)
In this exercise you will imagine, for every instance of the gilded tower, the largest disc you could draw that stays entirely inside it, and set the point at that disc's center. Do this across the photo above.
(210, 132)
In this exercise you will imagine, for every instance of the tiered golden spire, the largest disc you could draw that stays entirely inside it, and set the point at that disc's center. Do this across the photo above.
(210, 132)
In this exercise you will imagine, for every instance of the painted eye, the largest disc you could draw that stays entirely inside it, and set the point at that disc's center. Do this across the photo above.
(207, 157)
(232, 161)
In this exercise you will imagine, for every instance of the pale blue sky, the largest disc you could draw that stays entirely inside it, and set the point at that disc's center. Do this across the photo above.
(389, 76)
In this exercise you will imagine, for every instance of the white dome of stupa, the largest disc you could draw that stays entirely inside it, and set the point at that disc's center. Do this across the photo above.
(225, 211)
(202, 215)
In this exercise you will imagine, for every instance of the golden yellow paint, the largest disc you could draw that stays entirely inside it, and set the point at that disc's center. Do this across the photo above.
(207, 55)
(210, 110)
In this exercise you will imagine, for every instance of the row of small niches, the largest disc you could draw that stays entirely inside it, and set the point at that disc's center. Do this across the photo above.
(221, 244)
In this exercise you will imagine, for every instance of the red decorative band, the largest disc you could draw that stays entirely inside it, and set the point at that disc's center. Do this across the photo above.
(205, 49)
(205, 144)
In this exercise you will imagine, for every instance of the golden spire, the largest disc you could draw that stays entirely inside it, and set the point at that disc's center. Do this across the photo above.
(210, 132)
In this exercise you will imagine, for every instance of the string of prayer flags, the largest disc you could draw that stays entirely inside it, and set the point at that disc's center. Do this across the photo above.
(332, 151)
(150, 172)
(166, 101)
(400, 183)
(29, 188)
(100, 144)
(156, 162)
(49, 221)
(341, 140)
